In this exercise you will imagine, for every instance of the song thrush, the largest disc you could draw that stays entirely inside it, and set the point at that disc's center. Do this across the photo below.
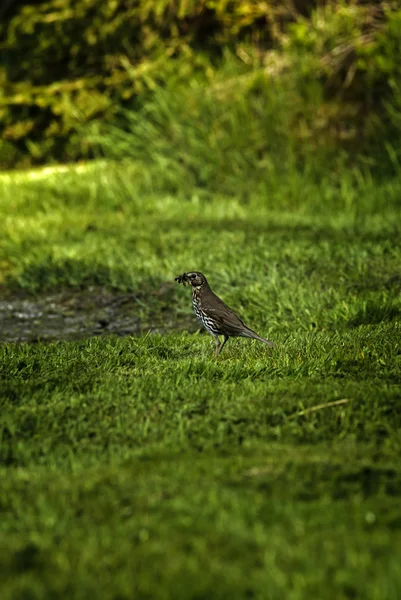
(214, 314)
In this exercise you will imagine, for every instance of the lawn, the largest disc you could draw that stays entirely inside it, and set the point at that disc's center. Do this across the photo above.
(139, 466)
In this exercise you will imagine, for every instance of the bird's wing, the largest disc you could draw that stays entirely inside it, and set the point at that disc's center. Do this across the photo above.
(227, 319)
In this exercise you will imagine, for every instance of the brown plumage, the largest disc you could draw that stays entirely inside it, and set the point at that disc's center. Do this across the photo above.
(214, 314)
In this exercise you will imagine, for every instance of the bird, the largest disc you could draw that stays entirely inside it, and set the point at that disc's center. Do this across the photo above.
(214, 314)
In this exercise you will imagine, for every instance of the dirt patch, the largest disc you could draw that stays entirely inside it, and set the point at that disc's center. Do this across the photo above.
(71, 315)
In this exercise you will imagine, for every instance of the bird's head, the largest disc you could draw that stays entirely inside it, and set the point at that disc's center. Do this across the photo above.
(194, 278)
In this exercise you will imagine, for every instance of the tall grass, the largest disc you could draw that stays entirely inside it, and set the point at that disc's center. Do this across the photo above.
(249, 128)
(241, 132)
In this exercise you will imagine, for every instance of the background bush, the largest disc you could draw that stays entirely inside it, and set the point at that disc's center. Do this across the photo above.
(315, 78)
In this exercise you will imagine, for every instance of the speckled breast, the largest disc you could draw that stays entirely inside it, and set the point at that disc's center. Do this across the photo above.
(208, 322)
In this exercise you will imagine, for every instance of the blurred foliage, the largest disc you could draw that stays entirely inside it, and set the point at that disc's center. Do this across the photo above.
(354, 50)
(232, 130)
(67, 64)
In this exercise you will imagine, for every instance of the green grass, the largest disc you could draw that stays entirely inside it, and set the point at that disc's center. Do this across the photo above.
(143, 467)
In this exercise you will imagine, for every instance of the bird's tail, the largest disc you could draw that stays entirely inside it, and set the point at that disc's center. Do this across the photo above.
(252, 334)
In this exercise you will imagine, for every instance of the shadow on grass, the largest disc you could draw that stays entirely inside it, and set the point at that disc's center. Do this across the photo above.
(313, 231)
(311, 482)
(373, 312)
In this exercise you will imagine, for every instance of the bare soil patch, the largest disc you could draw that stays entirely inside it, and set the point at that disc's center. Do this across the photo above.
(75, 314)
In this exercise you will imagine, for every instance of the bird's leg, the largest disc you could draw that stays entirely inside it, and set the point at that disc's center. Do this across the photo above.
(218, 344)
(219, 348)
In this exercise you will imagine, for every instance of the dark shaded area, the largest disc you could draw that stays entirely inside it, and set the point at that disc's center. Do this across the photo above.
(374, 312)
(75, 314)
(27, 558)
(337, 481)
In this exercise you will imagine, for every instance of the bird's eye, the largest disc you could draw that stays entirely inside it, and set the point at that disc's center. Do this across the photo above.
(193, 275)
